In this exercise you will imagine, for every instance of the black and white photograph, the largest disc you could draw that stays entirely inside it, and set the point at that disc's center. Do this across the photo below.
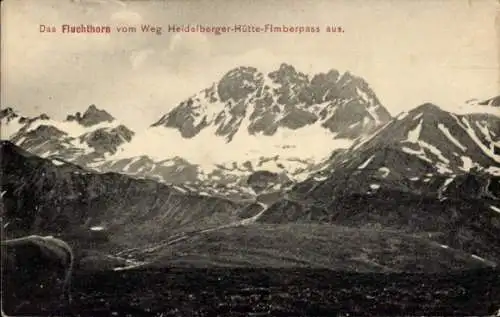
(250, 158)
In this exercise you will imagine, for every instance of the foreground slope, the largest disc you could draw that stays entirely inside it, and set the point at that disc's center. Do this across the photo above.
(53, 197)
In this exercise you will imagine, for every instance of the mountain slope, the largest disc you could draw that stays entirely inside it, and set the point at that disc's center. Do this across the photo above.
(420, 152)
(60, 199)
(451, 142)
(249, 122)
(11, 122)
(410, 176)
(262, 103)
(460, 220)
(80, 139)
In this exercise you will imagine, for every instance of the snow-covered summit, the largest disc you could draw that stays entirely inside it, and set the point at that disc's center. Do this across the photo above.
(257, 103)
(282, 121)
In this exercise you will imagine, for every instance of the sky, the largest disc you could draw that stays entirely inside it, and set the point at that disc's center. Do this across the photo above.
(409, 51)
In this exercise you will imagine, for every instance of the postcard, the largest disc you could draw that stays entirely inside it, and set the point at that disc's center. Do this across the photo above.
(250, 158)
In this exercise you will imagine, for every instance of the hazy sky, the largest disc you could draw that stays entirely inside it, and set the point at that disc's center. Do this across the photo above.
(409, 51)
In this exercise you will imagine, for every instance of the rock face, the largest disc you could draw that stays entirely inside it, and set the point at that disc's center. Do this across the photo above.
(248, 100)
(92, 116)
(493, 102)
(261, 180)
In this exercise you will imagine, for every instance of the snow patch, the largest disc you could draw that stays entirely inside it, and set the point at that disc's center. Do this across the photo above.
(478, 258)
(486, 150)
(450, 137)
(414, 134)
(467, 163)
(363, 95)
(372, 110)
(420, 154)
(168, 163)
(365, 164)
(325, 106)
(493, 170)
(417, 116)
(132, 264)
(434, 150)
(402, 115)
(320, 178)
(182, 190)
(443, 169)
(9, 128)
(367, 139)
(72, 128)
(83, 146)
(494, 208)
(448, 182)
(312, 143)
(385, 170)
(57, 162)
(20, 141)
(485, 131)
(444, 187)
(127, 167)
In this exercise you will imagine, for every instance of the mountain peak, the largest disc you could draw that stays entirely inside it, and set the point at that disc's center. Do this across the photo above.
(8, 109)
(287, 67)
(332, 73)
(246, 98)
(287, 73)
(91, 116)
(428, 107)
(492, 102)
(8, 113)
(238, 83)
(91, 108)
(94, 112)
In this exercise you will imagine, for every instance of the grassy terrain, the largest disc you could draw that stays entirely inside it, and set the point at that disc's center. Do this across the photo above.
(312, 245)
